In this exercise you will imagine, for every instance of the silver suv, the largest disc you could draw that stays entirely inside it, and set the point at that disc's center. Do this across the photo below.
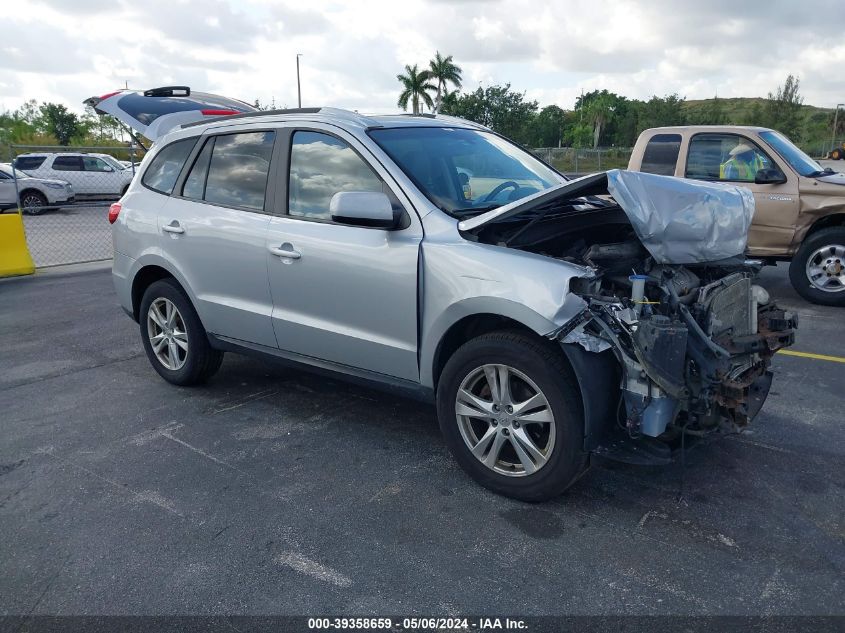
(549, 319)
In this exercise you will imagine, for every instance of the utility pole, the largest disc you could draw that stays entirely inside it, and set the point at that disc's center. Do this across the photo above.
(298, 88)
(835, 117)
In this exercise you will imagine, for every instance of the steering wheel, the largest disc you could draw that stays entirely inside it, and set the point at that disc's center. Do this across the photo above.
(499, 189)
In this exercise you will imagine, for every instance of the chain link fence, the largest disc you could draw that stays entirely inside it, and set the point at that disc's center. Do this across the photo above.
(64, 194)
(577, 162)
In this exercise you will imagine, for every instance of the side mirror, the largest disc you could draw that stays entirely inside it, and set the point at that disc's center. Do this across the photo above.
(363, 208)
(769, 177)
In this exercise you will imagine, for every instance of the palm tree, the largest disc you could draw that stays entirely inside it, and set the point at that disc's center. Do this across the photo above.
(445, 72)
(416, 88)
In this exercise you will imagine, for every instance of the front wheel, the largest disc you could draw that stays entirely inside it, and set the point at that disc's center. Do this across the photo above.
(33, 203)
(173, 336)
(511, 415)
(817, 271)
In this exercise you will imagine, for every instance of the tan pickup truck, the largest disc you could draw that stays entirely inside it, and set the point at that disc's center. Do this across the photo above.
(800, 207)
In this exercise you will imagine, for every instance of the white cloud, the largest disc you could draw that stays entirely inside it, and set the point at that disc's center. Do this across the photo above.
(67, 51)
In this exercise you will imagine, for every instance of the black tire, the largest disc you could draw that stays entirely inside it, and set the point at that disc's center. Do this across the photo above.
(797, 268)
(201, 361)
(546, 367)
(836, 154)
(33, 202)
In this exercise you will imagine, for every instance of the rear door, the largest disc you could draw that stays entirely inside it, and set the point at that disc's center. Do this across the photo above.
(213, 229)
(344, 294)
(776, 205)
(68, 167)
(155, 112)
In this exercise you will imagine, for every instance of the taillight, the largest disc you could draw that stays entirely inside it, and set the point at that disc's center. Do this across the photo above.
(114, 211)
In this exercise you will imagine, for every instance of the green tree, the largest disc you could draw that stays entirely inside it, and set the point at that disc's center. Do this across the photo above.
(548, 127)
(57, 120)
(499, 108)
(661, 111)
(783, 108)
(415, 88)
(598, 108)
(444, 72)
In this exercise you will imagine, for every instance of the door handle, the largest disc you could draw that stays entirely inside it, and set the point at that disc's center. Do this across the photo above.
(285, 250)
(173, 227)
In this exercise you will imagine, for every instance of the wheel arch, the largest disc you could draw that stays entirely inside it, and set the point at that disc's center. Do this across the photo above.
(27, 190)
(146, 276)
(826, 222)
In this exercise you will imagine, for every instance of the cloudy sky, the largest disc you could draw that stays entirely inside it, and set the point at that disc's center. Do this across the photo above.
(67, 50)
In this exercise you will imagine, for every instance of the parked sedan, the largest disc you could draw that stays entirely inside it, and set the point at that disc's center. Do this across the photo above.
(36, 194)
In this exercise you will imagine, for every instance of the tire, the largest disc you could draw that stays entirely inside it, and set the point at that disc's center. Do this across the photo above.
(824, 253)
(33, 202)
(186, 358)
(560, 443)
(836, 154)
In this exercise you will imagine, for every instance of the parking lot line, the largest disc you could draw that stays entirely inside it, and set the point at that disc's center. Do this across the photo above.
(834, 359)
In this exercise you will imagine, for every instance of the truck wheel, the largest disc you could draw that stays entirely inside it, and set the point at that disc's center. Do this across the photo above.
(173, 336)
(511, 415)
(836, 154)
(817, 271)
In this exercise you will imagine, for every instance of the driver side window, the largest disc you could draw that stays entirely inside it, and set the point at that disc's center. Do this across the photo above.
(725, 157)
(321, 165)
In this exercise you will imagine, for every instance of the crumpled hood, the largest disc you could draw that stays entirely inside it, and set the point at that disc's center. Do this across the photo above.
(678, 221)
(681, 221)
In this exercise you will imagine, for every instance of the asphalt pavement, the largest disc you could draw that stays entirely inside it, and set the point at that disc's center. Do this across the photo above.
(270, 491)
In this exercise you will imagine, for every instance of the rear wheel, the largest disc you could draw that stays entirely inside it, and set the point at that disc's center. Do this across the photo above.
(836, 154)
(33, 203)
(511, 415)
(173, 336)
(817, 271)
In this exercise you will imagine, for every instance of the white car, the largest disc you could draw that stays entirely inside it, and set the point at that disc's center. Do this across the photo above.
(36, 194)
(90, 175)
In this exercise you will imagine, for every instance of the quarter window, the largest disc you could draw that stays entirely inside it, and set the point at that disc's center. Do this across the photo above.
(725, 157)
(163, 171)
(321, 166)
(661, 154)
(67, 163)
(29, 162)
(194, 186)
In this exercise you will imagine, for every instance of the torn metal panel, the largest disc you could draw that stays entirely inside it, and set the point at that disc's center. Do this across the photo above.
(684, 222)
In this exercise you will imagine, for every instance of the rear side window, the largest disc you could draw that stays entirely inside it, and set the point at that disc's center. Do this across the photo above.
(29, 162)
(67, 163)
(661, 154)
(163, 171)
(232, 170)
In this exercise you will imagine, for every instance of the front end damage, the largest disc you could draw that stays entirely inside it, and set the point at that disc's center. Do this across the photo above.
(666, 291)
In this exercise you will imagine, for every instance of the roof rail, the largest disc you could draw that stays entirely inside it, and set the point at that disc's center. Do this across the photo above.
(334, 112)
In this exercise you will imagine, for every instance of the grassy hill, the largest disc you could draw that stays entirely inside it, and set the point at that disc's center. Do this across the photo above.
(816, 127)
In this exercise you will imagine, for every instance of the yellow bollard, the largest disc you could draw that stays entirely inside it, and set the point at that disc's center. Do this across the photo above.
(14, 253)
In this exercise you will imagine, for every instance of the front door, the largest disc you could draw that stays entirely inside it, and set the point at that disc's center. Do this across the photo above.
(213, 229)
(344, 294)
(734, 159)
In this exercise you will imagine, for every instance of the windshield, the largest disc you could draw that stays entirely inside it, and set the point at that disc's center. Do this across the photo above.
(465, 172)
(797, 159)
(7, 169)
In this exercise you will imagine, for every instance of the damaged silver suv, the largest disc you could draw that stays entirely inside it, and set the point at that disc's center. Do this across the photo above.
(549, 319)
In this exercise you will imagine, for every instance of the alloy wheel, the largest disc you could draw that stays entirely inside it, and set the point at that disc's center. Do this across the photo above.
(505, 420)
(825, 268)
(167, 333)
